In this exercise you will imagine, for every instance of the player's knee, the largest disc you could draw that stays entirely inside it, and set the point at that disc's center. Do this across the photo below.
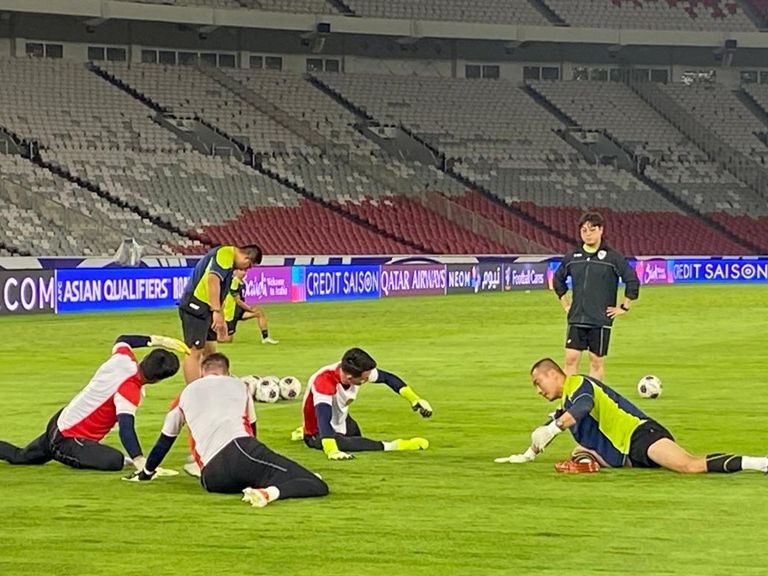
(114, 463)
(320, 487)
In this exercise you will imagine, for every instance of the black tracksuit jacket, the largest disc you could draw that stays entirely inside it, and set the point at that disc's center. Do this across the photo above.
(595, 281)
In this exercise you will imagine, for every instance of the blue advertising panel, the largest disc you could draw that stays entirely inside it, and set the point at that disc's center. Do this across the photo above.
(91, 289)
(726, 270)
(341, 282)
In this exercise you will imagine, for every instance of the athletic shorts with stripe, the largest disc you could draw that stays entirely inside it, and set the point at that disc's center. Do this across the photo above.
(247, 463)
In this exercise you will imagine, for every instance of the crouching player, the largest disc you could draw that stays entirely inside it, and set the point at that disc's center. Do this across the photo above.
(236, 310)
(73, 435)
(222, 428)
(327, 423)
(612, 431)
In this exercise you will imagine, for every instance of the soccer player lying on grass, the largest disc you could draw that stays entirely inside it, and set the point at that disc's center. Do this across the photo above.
(222, 426)
(73, 436)
(327, 423)
(236, 310)
(612, 431)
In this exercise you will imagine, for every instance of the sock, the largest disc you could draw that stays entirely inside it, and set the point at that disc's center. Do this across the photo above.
(273, 492)
(752, 463)
(264, 334)
(726, 463)
(389, 446)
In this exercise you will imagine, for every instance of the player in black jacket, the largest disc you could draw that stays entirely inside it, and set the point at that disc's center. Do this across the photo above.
(595, 269)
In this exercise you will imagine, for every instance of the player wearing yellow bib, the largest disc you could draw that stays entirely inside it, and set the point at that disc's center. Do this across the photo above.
(200, 309)
(614, 431)
(236, 310)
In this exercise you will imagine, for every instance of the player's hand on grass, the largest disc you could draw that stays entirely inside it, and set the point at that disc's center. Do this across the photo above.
(543, 435)
(169, 344)
(565, 302)
(141, 476)
(331, 449)
(527, 456)
(422, 407)
(339, 455)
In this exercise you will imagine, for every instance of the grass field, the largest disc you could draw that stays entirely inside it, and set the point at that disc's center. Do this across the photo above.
(449, 510)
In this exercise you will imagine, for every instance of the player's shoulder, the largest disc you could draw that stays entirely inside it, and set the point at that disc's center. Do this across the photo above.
(123, 350)
(576, 381)
(325, 376)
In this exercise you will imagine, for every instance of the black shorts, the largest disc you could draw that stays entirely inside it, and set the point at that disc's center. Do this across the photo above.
(647, 434)
(592, 338)
(247, 463)
(232, 324)
(196, 329)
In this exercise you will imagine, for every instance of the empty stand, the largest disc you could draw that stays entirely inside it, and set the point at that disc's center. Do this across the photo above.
(722, 15)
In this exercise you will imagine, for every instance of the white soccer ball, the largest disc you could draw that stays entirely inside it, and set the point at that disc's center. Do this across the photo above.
(649, 386)
(290, 388)
(252, 383)
(268, 389)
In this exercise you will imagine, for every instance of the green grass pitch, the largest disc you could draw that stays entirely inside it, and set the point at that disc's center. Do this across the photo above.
(449, 510)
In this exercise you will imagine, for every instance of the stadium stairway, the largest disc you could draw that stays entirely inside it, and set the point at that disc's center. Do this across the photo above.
(251, 160)
(545, 236)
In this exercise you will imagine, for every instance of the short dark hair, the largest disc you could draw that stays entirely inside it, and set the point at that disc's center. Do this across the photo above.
(217, 359)
(594, 218)
(254, 252)
(159, 365)
(547, 364)
(356, 361)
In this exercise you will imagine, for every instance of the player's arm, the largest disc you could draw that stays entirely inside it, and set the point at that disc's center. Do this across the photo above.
(530, 454)
(559, 282)
(631, 282)
(242, 304)
(141, 341)
(582, 403)
(398, 385)
(172, 425)
(323, 390)
(251, 410)
(126, 402)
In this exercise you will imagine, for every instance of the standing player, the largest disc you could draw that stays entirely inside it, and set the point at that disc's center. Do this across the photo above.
(327, 423)
(73, 436)
(613, 431)
(236, 310)
(222, 425)
(200, 309)
(595, 269)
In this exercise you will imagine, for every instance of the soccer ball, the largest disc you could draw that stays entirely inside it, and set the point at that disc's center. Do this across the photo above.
(268, 389)
(649, 387)
(290, 388)
(252, 383)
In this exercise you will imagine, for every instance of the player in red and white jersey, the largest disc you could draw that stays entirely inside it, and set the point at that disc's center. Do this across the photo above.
(327, 423)
(73, 436)
(221, 418)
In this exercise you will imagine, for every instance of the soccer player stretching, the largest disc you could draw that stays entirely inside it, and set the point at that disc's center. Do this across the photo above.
(327, 423)
(236, 310)
(222, 427)
(73, 435)
(613, 431)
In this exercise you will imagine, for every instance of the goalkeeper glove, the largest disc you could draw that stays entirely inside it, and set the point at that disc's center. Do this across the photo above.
(169, 344)
(332, 451)
(412, 444)
(418, 404)
(526, 456)
(543, 435)
(140, 476)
